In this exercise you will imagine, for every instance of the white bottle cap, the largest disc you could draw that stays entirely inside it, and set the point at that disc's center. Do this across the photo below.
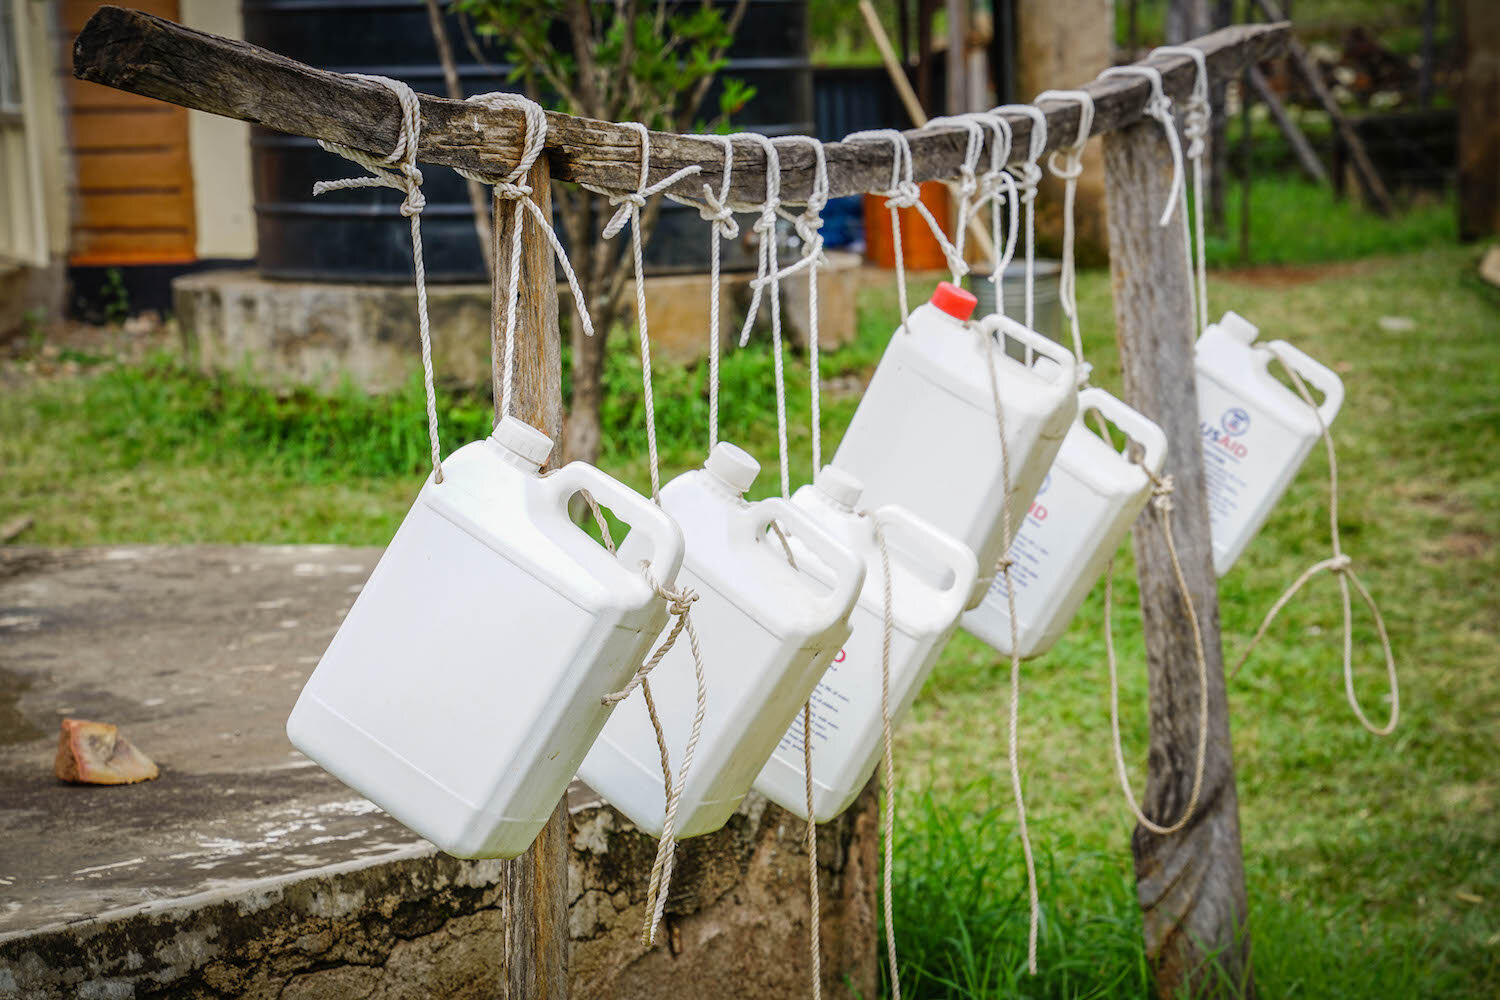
(523, 439)
(733, 465)
(839, 486)
(1238, 327)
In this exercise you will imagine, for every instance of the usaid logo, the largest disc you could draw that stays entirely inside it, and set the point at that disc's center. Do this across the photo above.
(1235, 421)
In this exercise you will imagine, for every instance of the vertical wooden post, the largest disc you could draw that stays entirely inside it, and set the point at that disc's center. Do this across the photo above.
(1191, 885)
(535, 894)
(1479, 122)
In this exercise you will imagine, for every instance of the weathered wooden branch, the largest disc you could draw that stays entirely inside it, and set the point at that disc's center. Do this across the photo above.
(147, 55)
(1191, 884)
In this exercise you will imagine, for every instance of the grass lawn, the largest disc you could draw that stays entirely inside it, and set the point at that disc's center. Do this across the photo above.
(1373, 865)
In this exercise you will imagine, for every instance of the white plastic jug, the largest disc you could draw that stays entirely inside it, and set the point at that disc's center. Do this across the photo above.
(924, 434)
(1087, 503)
(767, 631)
(932, 576)
(463, 688)
(1256, 431)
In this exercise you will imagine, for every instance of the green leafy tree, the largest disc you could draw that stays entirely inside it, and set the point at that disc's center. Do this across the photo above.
(618, 61)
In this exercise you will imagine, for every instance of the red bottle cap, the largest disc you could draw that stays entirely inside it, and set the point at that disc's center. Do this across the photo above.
(954, 301)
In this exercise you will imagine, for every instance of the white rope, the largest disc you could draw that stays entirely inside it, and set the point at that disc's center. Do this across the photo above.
(1197, 115)
(1161, 503)
(1342, 567)
(628, 205)
(1067, 164)
(628, 209)
(715, 210)
(968, 180)
(768, 275)
(407, 179)
(1031, 175)
(808, 225)
(887, 753)
(904, 193)
(1158, 106)
(997, 186)
(514, 188)
(1003, 566)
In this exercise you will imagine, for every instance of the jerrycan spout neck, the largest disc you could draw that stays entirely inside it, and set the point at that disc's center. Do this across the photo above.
(521, 445)
(1238, 328)
(838, 489)
(731, 467)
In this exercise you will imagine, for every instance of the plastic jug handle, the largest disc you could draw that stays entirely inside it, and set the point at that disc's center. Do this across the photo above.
(848, 569)
(1320, 376)
(1038, 343)
(942, 548)
(1137, 426)
(639, 513)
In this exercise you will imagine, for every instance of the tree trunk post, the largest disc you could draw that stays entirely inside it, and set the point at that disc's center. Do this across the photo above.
(535, 892)
(1191, 885)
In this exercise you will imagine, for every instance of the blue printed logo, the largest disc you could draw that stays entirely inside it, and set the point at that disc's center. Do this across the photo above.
(1235, 421)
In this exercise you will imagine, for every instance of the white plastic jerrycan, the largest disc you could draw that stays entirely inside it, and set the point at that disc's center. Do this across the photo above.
(463, 688)
(932, 576)
(924, 435)
(767, 631)
(1256, 431)
(1087, 503)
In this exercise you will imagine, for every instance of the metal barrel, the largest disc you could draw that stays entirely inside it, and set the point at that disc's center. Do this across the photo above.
(1045, 306)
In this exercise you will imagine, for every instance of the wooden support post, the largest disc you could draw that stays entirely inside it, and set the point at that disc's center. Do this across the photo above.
(535, 900)
(1191, 885)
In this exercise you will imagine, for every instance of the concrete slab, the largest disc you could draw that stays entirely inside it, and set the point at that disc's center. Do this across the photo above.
(246, 871)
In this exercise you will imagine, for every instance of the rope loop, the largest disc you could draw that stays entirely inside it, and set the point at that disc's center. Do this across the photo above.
(1030, 175)
(997, 187)
(407, 179)
(1158, 106)
(1067, 162)
(968, 183)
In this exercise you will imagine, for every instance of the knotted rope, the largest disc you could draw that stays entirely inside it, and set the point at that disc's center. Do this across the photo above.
(722, 226)
(1158, 106)
(1197, 114)
(1342, 568)
(1003, 566)
(808, 225)
(1067, 164)
(997, 186)
(1030, 177)
(513, 187)
(904, 193)
(968, 180)
(407, 179)
(628, 205)
(1161, 504)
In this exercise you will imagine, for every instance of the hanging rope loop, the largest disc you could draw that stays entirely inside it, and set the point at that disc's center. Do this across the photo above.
(1196, 118)
(997, 188)
(1159, 106)
(407, 179)
(1341, 566)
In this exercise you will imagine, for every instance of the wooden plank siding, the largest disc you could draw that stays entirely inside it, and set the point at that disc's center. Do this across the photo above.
(132, 187)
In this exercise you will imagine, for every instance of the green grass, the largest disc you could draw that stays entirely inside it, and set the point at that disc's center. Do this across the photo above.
(1364, 857)
(1293, 221)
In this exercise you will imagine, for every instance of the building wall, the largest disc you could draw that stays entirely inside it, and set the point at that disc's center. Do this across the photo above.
(220, 151)
(32, 148)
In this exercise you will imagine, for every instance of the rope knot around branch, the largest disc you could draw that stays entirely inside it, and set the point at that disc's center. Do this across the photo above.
(904, 195)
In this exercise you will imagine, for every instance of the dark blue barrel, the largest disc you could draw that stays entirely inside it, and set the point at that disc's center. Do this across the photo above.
(360, 235)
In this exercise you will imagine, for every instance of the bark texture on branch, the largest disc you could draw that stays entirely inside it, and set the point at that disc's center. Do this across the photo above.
(138, 52)
(535, 893)
(1191, 885)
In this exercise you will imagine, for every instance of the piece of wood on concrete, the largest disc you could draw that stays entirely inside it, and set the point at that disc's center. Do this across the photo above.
(157, 58)
(94, 753)
(536, 883)
(1191, 885)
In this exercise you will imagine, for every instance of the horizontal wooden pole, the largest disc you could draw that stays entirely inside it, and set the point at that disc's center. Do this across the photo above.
(137, 52)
